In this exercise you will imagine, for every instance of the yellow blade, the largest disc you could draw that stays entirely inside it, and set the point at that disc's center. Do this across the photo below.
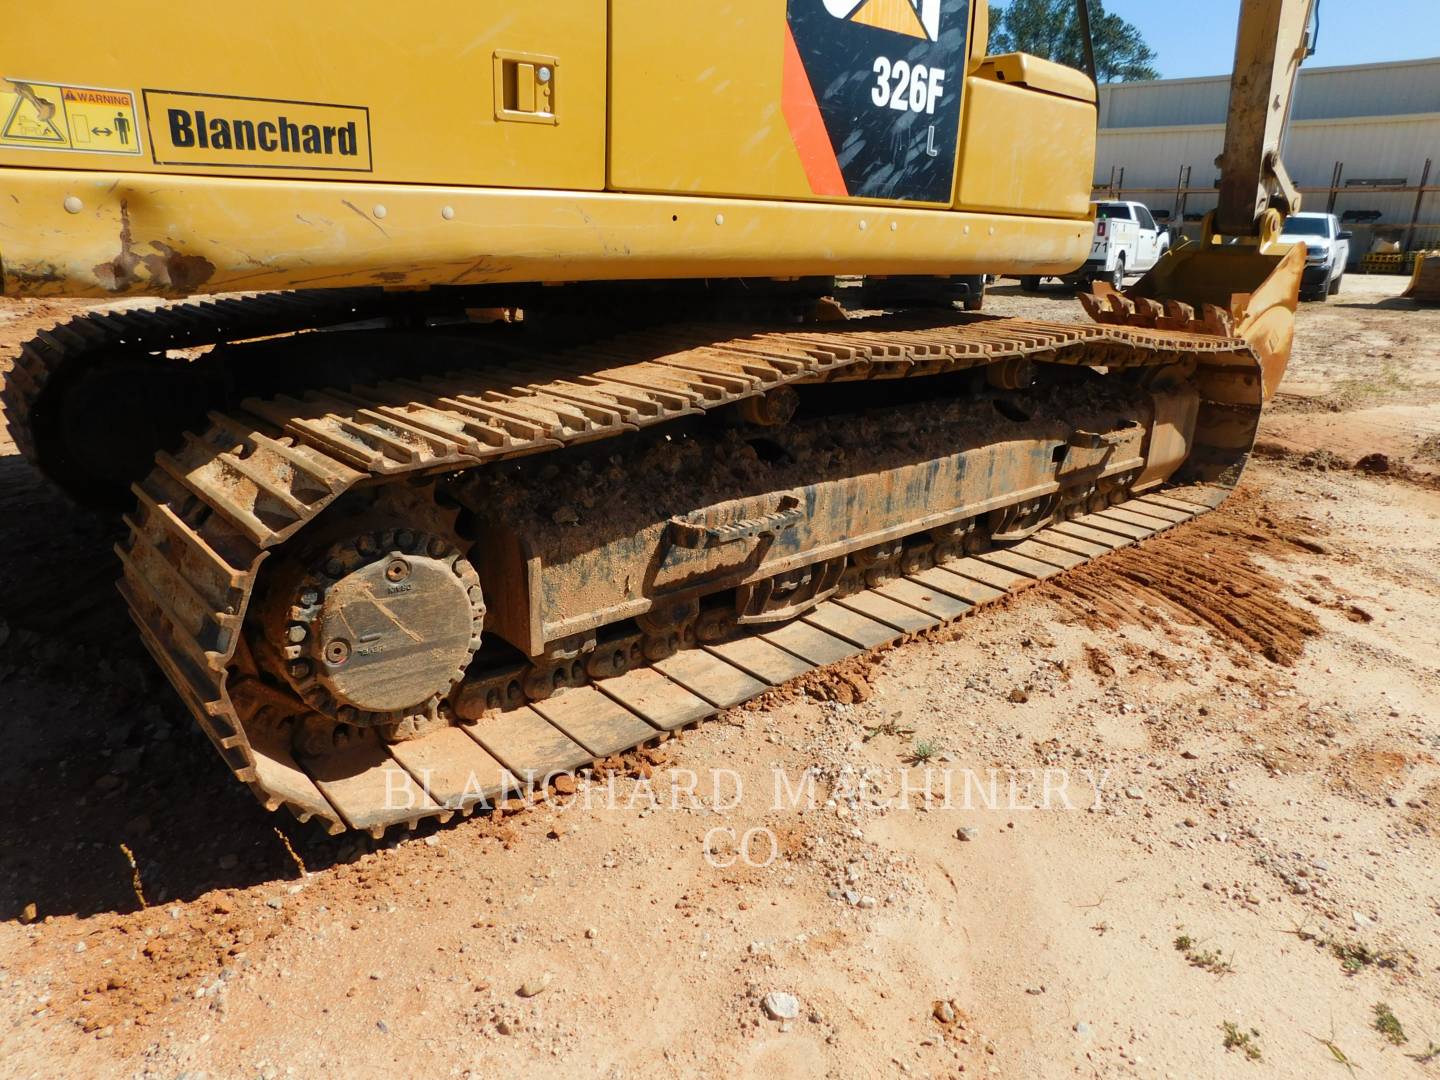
(1259, 287)
(1424, 286)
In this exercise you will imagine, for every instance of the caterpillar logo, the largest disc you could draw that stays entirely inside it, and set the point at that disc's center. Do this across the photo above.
(913, 18)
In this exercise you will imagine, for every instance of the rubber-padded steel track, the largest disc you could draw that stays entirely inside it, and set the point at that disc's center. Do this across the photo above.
(209, 514)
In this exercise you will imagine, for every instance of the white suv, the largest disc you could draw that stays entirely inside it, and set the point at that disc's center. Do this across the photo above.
(1328, 251)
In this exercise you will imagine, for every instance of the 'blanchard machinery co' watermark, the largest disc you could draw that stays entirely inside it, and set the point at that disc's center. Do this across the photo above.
(724, 791)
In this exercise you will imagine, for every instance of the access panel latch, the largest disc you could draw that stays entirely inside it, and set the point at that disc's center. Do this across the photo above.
(525, 88)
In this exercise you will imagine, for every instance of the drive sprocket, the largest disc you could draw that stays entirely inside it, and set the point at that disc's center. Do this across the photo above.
(378, 628)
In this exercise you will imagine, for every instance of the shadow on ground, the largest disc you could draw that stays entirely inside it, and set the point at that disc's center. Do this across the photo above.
(1389, 303)
(99, 752)
(1050, 288)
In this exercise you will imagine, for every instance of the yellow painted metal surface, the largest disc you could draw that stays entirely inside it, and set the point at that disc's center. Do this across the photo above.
(1424, 287)
(1255, 281)
(419, 77)
(719, 105)
(171, 235)
(695, 102)
(1272, 42)
(1020, 69)
(1045, 170)
(465, 144)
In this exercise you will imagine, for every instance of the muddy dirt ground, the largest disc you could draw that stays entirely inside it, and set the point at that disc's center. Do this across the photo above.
(1243, 882)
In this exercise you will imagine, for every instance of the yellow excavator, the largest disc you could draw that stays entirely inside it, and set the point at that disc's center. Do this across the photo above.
(531, 425)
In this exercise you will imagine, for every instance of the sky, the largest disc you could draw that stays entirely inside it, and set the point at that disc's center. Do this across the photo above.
(1197, 37)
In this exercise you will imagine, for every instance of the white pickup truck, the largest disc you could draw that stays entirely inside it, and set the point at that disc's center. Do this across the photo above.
(1127, 241)
(1327, 252)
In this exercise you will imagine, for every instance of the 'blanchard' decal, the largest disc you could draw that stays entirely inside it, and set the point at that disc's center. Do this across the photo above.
(256, 133)
(885, 77)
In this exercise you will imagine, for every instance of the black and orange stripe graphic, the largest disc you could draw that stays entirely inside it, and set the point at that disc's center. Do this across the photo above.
(807, 126)
(871, 95)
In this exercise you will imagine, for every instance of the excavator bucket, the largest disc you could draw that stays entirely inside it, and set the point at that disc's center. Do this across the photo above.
(1248, 291)
(1425, 282)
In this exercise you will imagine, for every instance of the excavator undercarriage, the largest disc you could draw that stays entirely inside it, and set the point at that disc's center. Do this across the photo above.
(401, 600)
(526, 424)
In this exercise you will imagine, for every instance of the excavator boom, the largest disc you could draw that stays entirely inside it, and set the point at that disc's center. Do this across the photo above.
(1241, 266)
(1273, 40)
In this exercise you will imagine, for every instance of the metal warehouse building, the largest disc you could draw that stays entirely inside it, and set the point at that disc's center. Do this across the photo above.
(1364, 143)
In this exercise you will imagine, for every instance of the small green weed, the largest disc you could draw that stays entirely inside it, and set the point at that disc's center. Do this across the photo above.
(924, 751)
(1247, 1042)
(1388, 1024)
(1206, 959)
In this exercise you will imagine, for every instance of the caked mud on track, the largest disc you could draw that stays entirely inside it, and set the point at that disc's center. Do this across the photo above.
(547, 644)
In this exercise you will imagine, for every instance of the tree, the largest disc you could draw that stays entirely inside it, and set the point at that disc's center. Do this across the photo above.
(1050, 28)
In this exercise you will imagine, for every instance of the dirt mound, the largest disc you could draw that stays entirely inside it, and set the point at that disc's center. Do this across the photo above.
(1425, 807)
(148, 957)
(1099, 662)
(849, 682)
(1321, 461)
(1375, 463)
(1370, 772)
(1203, 574)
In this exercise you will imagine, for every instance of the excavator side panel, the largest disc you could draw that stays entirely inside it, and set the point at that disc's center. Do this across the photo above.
(434, 94)
(116, 234)
(795, 99)
(1055, 108)
(295, 147)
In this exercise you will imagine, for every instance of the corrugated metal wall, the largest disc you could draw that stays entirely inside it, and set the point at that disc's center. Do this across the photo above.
(1390, 148)
(1164, 103)
(1404, 87)
(1387, 148)
(1408, 87)
(1381, 122)
(1152, 157)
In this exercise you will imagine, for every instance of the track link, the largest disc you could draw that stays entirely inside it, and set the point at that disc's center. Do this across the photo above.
(210, 513)
(100, 336)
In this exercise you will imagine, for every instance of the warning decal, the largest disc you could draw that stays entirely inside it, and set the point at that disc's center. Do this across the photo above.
(81, 119)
